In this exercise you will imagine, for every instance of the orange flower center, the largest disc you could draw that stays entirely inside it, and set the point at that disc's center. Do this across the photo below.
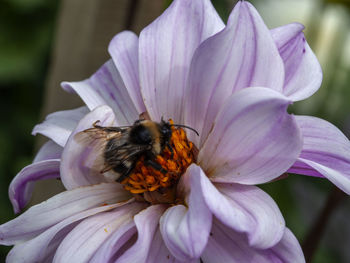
(156, 186)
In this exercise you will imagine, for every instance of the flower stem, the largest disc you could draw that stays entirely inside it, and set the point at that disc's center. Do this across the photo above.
(315, 234)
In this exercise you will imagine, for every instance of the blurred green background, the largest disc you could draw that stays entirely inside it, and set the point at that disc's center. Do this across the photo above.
(27, 29)
(26, 33)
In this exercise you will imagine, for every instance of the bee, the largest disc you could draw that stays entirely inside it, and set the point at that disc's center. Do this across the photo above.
(121, 147)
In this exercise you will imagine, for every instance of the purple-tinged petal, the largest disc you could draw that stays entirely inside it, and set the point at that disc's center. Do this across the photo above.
(303, 73)
(52, 247)
(242, 55)
(228, 211)
(106, 87)
(59, 125)
(85, 239)
(49, 150)
(225, 245)
(78, 158)
(35, 250)
(40, 217)
(266, 221)
(325, 153)
(253, 141)
(243, 208)
(45, 166)
(160, 253)
(166, 48)
(185, 230)
(146, 223)
(124, 51)
(300, 167)
(287, 250)
(112, 248)
(21, 187)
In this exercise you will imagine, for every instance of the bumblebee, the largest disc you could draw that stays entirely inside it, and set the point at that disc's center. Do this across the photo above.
(121, 147)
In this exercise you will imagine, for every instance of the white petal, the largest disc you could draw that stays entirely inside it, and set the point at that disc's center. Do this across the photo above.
(39, 217)
(166, 48)
(267, 224)
(124, 52)
(49, 150)
(225, 245)
(84, 240)
(242, 55)
(116, 244)
(35, 250)
(185, 230)
(147, 224)
(59, 125)
(326, 152)
(106, 87)
(21, 187)
(78, 158)
(303, 73)
(253, 141)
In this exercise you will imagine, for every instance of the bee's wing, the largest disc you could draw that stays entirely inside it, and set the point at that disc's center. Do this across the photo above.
(97, 139)
(123, 157)
(126, 152)
(99, 133)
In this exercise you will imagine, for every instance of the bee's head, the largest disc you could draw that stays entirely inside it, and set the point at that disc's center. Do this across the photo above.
(165, 129)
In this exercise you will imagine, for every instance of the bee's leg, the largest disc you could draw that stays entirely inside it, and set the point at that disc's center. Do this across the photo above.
(170, 149)
(126, 172)
(124, 175)
(121, 178)
(95, 125)
(156, 166)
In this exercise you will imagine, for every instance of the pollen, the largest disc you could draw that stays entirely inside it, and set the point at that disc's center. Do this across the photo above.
(174, 161)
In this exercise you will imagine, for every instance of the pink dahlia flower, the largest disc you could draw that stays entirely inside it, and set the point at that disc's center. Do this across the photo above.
(232, 84)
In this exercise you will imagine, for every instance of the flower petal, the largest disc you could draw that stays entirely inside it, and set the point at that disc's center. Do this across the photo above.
(59, 125)
(303, 73)
(185, 230)
(146, 223)
(165, 51)
(35, 250)
(113, 246)
(160, 253)
(124, 51)
(21, 187)
(326, 152)
(85, 239)
(106, 87)
(287, 250)
(242, 55)
(266, 221)
(253, 141)
(49, 150)
(45, 166)
(225, 245)
(77, 158)
(244, 208)
(39, 217)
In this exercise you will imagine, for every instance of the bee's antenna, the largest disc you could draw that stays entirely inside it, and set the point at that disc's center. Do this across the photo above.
(184, 126)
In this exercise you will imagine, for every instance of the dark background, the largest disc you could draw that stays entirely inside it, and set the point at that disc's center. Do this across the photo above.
(32, 63)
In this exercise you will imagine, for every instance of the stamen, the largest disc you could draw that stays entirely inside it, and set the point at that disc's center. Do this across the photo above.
(146, 179)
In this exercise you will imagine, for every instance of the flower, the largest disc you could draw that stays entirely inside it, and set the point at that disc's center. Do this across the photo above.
(231, 83)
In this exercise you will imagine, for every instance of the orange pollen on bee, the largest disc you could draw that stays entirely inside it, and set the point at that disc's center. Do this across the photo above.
(145, 178)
